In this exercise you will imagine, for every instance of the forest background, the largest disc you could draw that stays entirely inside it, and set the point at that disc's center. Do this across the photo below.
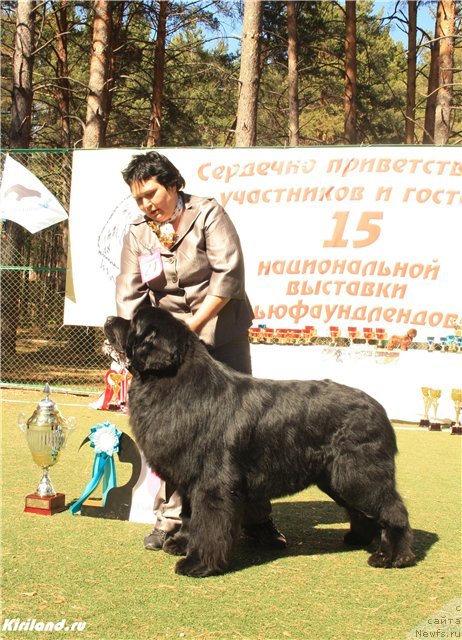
(147, 73)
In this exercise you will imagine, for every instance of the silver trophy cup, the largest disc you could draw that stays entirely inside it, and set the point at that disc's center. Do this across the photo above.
(46, 433)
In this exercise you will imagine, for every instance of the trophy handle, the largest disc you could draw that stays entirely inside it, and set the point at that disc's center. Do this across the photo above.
(22, 422)
(68, 427)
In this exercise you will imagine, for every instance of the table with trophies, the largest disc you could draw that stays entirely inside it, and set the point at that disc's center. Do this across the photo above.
(421, 383)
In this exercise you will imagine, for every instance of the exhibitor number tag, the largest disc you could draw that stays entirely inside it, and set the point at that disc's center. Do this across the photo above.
(150, 266)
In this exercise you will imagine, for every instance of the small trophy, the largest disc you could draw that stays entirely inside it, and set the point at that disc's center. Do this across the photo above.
(435, 395)
(456, 396)
(254, 334)
(334, 334)
(308, 335)
(353, 335)
(381, 337)
(368, 333)
(46, 432)
(281, 336)
(425, 422)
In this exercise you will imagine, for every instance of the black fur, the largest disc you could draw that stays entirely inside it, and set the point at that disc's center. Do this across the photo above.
(224, 439)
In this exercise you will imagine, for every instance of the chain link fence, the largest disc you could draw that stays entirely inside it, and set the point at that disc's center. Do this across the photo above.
(35, 345)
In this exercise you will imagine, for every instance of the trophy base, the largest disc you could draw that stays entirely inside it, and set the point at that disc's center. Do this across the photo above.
(45, 506)
(424, 423)
(456, 429)
(434, 426)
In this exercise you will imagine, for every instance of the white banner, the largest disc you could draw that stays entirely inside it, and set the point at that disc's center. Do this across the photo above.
(332, 236)
(24, 199)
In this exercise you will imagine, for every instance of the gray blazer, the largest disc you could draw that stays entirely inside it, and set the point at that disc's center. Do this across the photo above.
(206, 259)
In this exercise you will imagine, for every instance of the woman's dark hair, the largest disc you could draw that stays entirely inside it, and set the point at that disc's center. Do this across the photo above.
(153, 165)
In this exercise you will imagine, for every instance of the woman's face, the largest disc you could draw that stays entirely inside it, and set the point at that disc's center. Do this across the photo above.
(155, 201)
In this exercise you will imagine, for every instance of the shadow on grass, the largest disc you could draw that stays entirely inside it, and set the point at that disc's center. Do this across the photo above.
(309, 532)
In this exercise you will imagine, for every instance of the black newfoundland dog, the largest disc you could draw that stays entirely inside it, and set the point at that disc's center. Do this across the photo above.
(224, 438)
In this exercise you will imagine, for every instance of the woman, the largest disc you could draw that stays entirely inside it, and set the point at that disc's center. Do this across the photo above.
(184, 255)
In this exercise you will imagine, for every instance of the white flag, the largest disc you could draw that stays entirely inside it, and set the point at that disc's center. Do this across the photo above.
(25, 199)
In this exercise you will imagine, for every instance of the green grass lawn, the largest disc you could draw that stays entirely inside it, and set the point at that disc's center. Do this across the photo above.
(97, 571)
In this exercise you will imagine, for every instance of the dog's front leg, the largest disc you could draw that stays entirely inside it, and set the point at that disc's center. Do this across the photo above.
(212, 531)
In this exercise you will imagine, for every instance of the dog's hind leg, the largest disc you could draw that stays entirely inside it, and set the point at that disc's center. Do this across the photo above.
(368, 487)
(396, 539)
(390, 518)
(213, 529)
(363, 529)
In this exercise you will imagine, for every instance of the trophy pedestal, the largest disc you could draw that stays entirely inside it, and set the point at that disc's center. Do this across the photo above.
(456, 429)
(434, 426)
(46, 506)
(424, 423)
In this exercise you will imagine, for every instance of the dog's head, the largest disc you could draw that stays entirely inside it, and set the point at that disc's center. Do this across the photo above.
(157, 341)
(116, 333)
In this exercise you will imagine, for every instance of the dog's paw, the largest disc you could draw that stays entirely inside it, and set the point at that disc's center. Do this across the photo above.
(176, 545)
(407, 560)
(380, 560)
(193, 568)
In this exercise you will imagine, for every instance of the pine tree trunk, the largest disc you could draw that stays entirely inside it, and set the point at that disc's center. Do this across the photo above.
(411, 71)
(23, 63)
(20, 134)
(249, 76)
(63, 94)
(96, 121)
(155, 120)
(292, 58)
(350, 73)
(446, 16)
(432, 88)
(63, 86)
(119, 39)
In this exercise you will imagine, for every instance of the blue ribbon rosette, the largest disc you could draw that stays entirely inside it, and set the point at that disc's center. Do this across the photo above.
(104, 438)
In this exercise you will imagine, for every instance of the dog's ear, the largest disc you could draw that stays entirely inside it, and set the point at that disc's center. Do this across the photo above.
(116, 332)
(156, 346)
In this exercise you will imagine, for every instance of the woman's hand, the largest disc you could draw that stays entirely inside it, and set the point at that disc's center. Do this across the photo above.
(210, 307)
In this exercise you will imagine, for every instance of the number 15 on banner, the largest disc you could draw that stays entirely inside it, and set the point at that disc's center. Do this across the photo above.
(365, 225)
